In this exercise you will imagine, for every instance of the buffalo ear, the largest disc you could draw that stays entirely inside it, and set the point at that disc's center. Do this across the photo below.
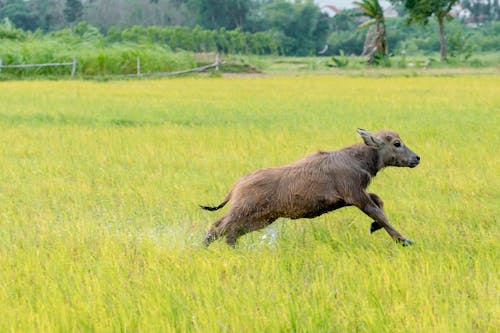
(369, 139)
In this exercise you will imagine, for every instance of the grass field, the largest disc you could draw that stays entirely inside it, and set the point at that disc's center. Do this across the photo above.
(100, 229)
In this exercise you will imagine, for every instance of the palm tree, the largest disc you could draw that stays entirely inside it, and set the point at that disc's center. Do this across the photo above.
(376, 38)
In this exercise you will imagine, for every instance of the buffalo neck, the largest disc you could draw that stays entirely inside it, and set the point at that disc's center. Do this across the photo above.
(367, 158)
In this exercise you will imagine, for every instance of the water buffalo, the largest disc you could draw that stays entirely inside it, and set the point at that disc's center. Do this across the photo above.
(314, 185)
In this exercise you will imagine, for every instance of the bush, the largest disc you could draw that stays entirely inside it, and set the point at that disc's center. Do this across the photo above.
(93, 57)
(8, 31)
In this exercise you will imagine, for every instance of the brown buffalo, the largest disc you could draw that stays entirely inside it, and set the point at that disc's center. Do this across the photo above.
(314, 185)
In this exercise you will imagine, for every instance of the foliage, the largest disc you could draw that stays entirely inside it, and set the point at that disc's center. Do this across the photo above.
(421, 11)
(460, 46)
(350, 41)
(372, 10)
(73, 10)
(8, 31)
(93, 57)
(216, 14)
(101, 230)
(18, 12)
(292, 28)
(116, 52)
(487, 37)
(300, 26)
(248, 15)
(416, 39)
(201, 40)
(344, 21)
(303, 27)
(341, 61)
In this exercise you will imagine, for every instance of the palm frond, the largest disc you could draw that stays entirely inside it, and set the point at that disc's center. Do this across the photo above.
(370, 8)
(367, 24)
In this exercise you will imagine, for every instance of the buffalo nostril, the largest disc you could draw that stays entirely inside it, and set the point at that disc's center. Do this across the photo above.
(417, 158)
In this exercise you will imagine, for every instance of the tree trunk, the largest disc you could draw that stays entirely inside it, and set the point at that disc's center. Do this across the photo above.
(384, 47)
(370, 46)
(442, 39)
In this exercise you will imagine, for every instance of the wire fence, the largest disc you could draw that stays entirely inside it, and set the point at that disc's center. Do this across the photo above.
(217, 62)
(55, 64)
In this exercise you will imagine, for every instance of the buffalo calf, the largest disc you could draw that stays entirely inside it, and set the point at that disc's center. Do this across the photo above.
(314, 185)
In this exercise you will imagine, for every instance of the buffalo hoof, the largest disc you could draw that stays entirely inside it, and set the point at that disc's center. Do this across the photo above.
(374, 227)
(406, 242)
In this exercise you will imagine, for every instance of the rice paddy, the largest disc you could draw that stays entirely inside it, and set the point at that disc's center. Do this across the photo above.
(100, 229)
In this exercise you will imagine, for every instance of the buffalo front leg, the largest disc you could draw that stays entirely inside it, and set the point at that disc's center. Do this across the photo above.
(372, 209)
(376, 199)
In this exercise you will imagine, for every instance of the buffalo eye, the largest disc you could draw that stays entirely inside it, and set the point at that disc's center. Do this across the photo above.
(397, 144)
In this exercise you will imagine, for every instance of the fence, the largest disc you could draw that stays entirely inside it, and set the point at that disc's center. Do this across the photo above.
(216, 64)
(72, 64)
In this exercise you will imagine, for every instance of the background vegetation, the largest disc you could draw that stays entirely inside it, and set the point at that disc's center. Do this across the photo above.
(278, 27)
(414, 39)
(100, 228)
(163, 49)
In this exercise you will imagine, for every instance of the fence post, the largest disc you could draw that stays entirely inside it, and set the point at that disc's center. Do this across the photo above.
(138, 66)
(0, 65)
(217, 61)
(73, 69)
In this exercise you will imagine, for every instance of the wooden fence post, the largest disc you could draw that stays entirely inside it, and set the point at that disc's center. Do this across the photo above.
(73, 69)
(138, 66)
(0, 65)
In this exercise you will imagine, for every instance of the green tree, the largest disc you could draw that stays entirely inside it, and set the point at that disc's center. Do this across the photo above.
(216, 14)
(376, 40)
(343, 21)
(127, 13)
(310, 28)
(49, 14)
(300, 25)
(9, 31)
(19, 13)
(73, 10)
(420, 11)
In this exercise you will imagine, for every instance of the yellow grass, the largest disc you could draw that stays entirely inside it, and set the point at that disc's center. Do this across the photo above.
(100, 229)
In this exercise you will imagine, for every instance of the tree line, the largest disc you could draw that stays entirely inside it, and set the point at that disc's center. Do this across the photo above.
(247, 15)
(279, 27)
(300, 26)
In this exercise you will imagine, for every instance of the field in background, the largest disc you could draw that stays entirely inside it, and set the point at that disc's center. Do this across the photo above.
(479, 63)
(100, 228)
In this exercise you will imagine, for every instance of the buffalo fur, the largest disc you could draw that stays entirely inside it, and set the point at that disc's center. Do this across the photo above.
(314, 185)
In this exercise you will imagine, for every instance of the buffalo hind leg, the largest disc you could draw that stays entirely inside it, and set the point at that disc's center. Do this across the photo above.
(224, 227)
(228, 227)
(234, 232)
(213, 233)
(245, 226)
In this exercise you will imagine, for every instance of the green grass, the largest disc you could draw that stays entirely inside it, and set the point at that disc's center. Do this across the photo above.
(100, 229)
(478, 64)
